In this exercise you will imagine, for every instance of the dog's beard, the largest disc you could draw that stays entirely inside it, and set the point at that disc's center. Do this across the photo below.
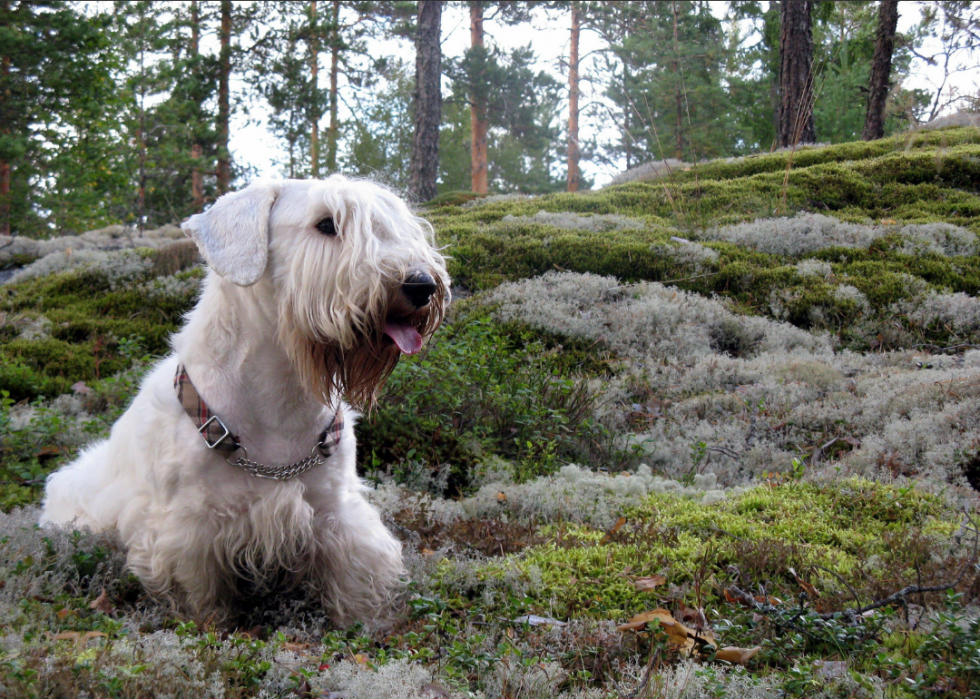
(358, 370)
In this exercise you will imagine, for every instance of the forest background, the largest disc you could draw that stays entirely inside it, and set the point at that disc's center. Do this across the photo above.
(142, 112)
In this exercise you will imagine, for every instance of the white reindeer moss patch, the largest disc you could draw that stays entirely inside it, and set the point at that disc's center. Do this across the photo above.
(646, 321)
(807, 233)
(703, 389)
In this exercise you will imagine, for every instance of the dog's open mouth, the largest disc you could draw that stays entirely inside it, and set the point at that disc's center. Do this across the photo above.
(403, 333)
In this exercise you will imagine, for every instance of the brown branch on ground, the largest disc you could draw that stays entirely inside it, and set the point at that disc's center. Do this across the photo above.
(897, 597)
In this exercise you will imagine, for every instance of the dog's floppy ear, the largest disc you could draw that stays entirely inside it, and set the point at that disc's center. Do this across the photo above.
(233, 235)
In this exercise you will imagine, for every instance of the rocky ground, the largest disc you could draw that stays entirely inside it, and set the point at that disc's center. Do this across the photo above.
(712, 434)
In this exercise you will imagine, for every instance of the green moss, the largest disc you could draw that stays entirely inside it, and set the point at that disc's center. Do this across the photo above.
(837, 526)
(922, 179)
(88, 319)
(453, 198)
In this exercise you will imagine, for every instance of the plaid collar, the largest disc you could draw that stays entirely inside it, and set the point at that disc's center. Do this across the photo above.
(219, 437)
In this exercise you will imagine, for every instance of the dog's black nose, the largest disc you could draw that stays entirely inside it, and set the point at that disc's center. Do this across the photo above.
(419, 288)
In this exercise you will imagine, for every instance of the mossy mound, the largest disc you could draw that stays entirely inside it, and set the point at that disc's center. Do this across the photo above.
(825, 532)
(91, 316)
(929, 178)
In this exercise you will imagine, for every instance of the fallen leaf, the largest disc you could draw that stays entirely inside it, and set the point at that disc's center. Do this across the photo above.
(632, 626)
(360, 659)
(627, 570)
(807, 587)
(434, 690)
(677, 634)
(50, 450)
(888, 222)
(427, 552)
(78, 637)
(302, 689)
(616, 527)
(102, 603)
(693, 617)
(737, 655)
(649, 583)
(62, 613)
(295, 647)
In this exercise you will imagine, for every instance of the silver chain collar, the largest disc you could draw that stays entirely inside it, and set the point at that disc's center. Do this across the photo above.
(280, 472)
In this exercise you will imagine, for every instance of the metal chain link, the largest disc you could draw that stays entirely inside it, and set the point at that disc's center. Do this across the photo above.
(281, 472)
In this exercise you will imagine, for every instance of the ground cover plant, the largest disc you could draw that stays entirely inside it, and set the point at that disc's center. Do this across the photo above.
(708, 435)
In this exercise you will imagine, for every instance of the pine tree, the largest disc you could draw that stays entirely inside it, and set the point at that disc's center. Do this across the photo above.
(574, 150)
(881, 66)
(663, 69)
(55, 96)
(796, 85)
(224, 98)
(427, 101)
(478, 101)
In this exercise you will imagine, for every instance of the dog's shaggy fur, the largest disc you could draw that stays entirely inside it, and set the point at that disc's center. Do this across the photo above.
(289, 320)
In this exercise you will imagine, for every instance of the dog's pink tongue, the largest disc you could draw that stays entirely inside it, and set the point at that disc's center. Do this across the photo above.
(407, 338)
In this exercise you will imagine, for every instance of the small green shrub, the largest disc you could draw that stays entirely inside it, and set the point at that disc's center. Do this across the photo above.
(481, 388)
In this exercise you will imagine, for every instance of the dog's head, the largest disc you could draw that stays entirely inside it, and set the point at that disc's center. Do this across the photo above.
(355, 276)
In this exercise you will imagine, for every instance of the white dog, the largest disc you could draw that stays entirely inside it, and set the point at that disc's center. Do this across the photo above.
(234, 466)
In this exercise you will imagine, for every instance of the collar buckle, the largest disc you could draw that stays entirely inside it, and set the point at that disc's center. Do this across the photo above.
(203, 430)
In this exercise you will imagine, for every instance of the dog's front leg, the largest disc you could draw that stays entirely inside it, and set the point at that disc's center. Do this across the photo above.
(176, 558)
(359, 563)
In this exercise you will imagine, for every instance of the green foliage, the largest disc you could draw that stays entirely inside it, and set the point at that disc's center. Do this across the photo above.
(480, 388)
(91, 321)
(57, 94)
(811, 528)
(379, 144)
(948, 657)
(521, 108)
(663, 70)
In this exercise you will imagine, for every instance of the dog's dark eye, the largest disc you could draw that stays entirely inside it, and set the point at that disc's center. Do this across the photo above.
(326, 227)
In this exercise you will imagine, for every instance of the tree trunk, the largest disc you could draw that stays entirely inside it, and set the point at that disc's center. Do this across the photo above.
(627, 122)
(197, 150)
(334, 69)
(4, 165)
(678, 94)
(141, 131)
(424, 167)
(881, 68)
(795, 76)
(224, 103)
(574, 152)
(478, 111)
(314, 70)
